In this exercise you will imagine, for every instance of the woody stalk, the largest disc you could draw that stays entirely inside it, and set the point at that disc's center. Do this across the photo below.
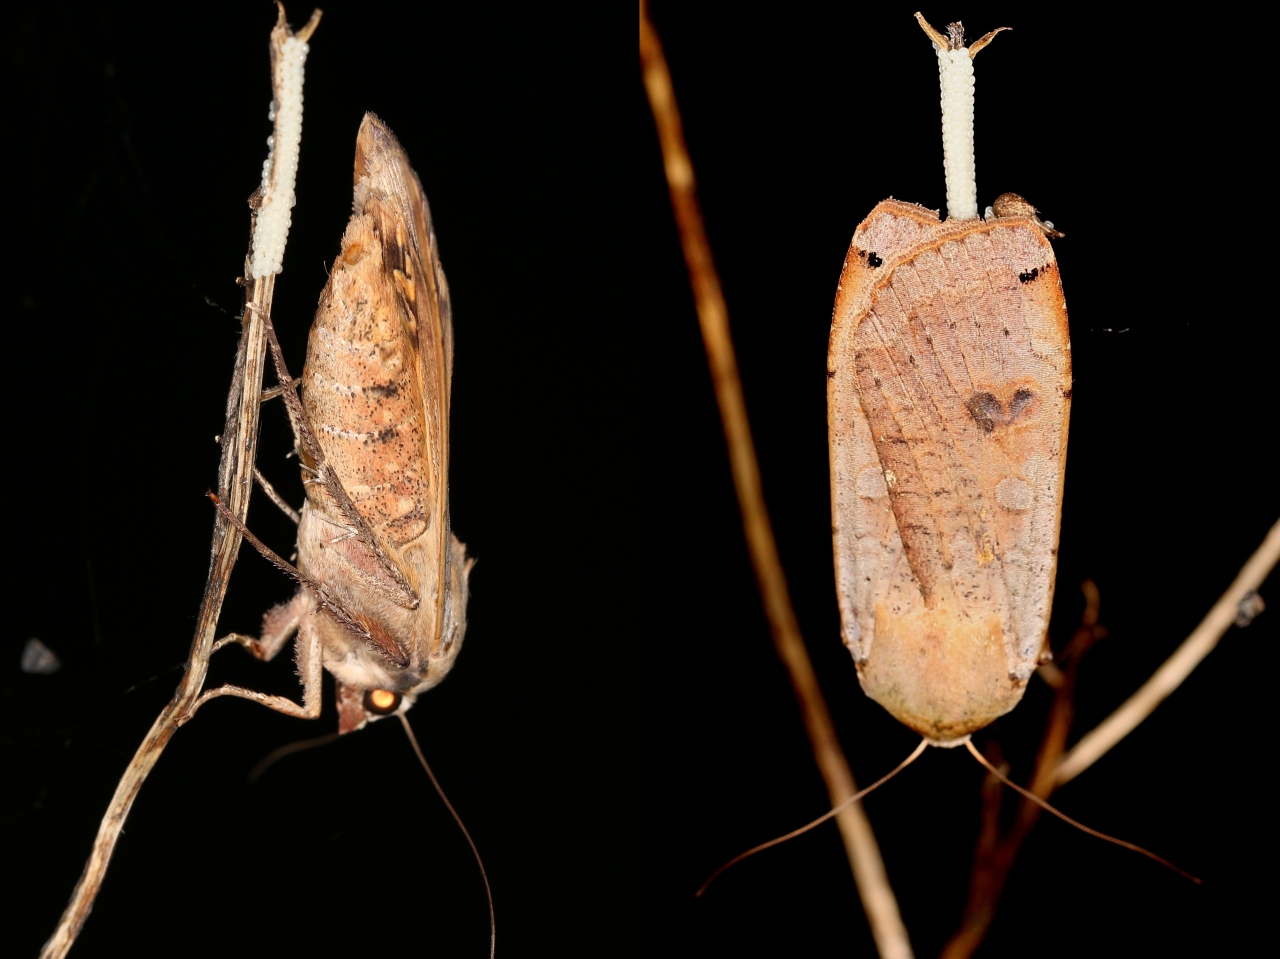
(271, 209)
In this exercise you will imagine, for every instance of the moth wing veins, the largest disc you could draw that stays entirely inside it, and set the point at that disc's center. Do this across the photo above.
(948, 379)
(389, 188)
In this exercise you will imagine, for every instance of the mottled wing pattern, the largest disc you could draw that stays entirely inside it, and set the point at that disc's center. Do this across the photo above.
(390, 191)
(949, 392)
(376, 380)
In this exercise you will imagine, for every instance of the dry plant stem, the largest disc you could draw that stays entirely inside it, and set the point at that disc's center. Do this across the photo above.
(864, 856)
(995, 856)
(1176, 668)
(235, 484)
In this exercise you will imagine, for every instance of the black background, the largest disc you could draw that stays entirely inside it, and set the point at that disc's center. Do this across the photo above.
(134, 140)
(1141, 138)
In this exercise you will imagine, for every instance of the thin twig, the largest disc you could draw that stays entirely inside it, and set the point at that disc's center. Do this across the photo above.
(275, 497)
(860, 845)
(993, 862)
(1176, 668)
(235, 484)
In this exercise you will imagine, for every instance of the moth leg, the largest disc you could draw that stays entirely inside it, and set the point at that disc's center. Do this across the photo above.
(382, 644)
(397, 589)
(279, 623)
(310, 658)
(273, 392)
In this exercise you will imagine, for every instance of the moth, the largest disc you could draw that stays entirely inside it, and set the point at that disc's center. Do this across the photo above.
(382, 579)
(843, 110)
(949, 391)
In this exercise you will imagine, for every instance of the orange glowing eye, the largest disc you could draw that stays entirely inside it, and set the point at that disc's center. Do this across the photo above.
(353, 254)
(381, 702)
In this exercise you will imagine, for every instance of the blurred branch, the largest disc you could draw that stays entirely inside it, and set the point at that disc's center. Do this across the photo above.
(860, 845)
(1093, 745)
(996, 853)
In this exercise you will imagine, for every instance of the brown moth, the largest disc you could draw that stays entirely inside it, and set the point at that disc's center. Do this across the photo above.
(949, 386)
(383, 581)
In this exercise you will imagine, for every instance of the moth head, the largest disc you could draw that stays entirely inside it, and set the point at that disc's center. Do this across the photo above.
(356, 707)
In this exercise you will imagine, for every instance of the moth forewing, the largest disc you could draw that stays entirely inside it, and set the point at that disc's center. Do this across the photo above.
(948, 396)
(375, 392)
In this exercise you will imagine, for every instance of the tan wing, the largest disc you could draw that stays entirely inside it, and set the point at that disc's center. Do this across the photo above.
(376, 383)
(388, 192)
(949, 393)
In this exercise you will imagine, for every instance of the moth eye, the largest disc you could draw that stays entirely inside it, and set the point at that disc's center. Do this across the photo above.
(353, 253)
(381, 702)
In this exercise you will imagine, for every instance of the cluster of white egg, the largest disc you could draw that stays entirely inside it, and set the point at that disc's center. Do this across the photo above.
(955, 68)
(280, 171)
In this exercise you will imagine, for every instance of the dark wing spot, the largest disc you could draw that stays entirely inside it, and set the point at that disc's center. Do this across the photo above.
(1021, 400)
(874, 261)
(390, 389)
(1029, 276)
(409, 526)
(985, 410)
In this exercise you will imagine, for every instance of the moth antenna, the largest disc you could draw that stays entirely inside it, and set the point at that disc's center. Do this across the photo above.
(1028, 794)
(915, 754)
(273, 757)
(413, 741)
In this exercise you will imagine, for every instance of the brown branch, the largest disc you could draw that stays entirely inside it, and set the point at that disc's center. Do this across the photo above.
(860, 845)
(235, 484)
